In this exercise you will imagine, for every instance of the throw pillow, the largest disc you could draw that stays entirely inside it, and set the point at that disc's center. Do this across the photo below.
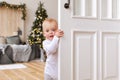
(2, 40)
(13, 40)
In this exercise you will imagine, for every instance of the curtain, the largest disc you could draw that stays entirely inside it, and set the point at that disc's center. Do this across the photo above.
(10, 21)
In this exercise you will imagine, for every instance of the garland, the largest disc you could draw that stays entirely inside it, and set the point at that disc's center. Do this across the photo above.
(16, 7)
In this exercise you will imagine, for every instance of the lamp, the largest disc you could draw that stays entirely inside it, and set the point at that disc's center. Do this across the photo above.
(19, 31)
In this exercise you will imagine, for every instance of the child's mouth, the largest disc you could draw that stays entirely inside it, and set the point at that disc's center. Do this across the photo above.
(51, 36)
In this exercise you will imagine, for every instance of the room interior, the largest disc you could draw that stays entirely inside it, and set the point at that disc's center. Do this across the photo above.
(16, 21)
(89, 50)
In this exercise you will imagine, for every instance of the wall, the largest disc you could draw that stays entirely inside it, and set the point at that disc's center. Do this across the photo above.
(31, 6)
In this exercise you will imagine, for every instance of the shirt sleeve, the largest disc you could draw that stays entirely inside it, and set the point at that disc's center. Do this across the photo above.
(51, 47)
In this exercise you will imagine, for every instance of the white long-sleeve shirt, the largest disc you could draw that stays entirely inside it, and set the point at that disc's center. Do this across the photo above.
(51, 48)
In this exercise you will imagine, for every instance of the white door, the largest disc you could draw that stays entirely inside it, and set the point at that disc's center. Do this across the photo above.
(90, 47)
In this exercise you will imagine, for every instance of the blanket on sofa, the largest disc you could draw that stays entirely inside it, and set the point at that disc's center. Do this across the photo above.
(18, 53)
(21, 53)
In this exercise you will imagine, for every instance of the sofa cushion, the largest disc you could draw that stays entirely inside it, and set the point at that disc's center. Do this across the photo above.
(13, 40)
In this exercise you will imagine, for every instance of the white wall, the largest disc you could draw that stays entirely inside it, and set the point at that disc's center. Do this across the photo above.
(31, 6)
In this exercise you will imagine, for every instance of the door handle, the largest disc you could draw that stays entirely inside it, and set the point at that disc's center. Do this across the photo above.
(67, 5)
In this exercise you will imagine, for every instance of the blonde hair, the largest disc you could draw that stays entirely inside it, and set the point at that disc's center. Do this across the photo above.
(49, 20)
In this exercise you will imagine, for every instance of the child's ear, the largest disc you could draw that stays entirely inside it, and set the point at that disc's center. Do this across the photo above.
(44, 34)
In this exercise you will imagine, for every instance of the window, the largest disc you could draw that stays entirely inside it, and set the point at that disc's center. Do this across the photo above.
(85, 8)
(110, 9)
(105, 9)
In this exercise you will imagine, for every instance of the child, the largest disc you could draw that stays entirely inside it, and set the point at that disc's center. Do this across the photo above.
(50, 45)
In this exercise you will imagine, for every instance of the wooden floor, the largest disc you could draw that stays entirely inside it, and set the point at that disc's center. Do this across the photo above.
(34, 71)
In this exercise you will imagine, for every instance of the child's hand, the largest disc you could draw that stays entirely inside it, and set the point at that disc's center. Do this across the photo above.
(59, 33)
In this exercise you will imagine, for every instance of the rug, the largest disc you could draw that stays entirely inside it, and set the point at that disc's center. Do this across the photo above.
(12, 66)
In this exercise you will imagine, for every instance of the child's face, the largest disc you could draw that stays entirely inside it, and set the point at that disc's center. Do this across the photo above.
(49, 30)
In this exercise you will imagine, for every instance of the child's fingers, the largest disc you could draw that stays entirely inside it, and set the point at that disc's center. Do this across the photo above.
(61, 31)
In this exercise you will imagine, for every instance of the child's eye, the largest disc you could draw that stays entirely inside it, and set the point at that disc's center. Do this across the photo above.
(53, 29)
(47, 30)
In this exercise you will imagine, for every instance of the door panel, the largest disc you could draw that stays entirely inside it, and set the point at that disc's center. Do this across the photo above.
(110, 58)
(84, 51)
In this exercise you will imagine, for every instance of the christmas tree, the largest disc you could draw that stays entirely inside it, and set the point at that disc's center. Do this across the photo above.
(36, 36)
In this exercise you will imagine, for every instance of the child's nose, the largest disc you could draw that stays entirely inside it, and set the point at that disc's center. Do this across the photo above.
(51, 31)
